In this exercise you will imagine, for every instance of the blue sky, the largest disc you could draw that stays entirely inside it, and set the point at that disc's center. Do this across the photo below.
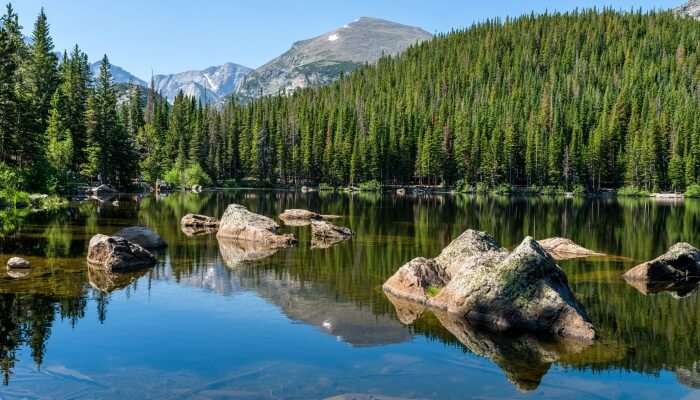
(177, 35)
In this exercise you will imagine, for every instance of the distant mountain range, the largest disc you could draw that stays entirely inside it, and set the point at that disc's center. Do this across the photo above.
(310, 62)
(691, 9)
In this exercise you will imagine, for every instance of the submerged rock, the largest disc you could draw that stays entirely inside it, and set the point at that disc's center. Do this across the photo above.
(142, 236)
(199, 221)
(564, 249)
(680, 262)
(476, 279)
(677, 289)
(325, 234)
(18, 263)
(116, 254)
(240, 224)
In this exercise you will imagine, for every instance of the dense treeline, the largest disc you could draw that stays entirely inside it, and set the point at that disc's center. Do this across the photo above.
(598, 99)
(593, 98)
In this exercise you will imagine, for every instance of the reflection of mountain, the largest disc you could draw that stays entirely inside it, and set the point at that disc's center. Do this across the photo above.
(311, 302)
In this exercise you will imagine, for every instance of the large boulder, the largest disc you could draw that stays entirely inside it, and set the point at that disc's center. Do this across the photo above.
(18, 263)
(240, 224)
(681, 261)
(199, 221)
(142, 236)
(108, 281)
(103, 191)
(324, 234)
(476, 279)
(116, 254)
(565, 249)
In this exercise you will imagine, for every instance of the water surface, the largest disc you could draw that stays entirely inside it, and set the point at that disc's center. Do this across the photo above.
(304, 323)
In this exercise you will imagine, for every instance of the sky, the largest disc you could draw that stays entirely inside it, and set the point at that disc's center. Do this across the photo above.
(161, 37)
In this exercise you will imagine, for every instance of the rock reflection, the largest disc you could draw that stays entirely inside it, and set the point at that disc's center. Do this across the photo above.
(678, 289)
(524, 358)
(236, 252)
(107, 282)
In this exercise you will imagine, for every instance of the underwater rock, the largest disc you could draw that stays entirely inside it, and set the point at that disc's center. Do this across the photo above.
(116, 254)
(564, 249)
(476, 279)
(142, 236)
(108, 281)
(680, 262)
(240, 224)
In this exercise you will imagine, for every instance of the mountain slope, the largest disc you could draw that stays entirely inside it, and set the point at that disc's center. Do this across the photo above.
(119, 74)
(691, 9)
(321, 60)
(212, 84)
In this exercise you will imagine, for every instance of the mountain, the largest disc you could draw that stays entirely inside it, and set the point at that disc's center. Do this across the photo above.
(322, 59)
(212, 84)
(119, 74)
(691, 9)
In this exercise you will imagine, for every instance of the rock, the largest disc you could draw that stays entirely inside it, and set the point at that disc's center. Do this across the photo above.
(415, 280)
(241, 224)
(327, 231)
(116, 254)
(680, 262)
(197, 188)
(18, 263)
(476, 279)
(142, 236)
(18, 273)
(306, 189)
(564, 249)
(199, 221)
(469, 244)
(401, 191)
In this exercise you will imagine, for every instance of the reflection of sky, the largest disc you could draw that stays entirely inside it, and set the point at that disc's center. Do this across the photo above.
(175, 340)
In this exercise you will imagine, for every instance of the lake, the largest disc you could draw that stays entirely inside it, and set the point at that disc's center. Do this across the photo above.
(308, 323)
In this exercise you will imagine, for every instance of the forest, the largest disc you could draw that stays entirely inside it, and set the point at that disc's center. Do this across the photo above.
(592, 99)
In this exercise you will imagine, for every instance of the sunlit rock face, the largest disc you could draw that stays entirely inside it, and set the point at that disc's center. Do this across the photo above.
(565, 249)
(238, 223)
(477, 280)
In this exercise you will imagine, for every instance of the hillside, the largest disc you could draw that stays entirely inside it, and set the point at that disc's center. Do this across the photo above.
(598, 99)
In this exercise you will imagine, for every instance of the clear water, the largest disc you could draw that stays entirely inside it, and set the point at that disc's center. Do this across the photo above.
(314, 324)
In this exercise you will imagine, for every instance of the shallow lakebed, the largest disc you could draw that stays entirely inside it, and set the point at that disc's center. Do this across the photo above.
(308, 323)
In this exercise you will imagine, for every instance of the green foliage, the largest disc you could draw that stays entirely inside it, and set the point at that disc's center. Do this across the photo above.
(187, 177)
(324, 187)
(462, 186)
(370, 186)
(503, 189)
(432, 291)
(482, 188)
(693, 191)
(631, 191)
(579, 190)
